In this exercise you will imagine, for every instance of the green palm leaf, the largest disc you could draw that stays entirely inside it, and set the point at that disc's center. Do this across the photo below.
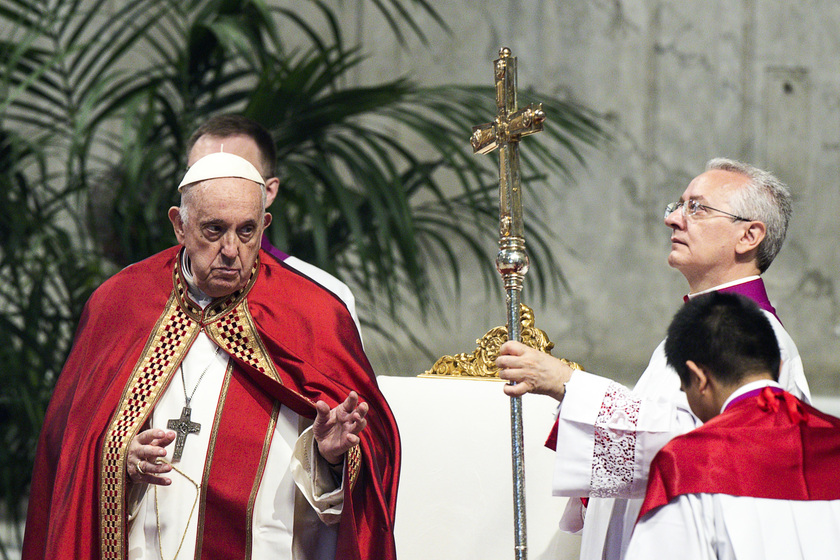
(378, 183)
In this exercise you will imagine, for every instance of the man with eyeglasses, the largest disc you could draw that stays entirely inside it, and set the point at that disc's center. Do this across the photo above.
(727, 228)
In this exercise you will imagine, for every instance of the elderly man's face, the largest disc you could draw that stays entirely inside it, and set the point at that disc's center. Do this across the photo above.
(223, 233)
(703, 245)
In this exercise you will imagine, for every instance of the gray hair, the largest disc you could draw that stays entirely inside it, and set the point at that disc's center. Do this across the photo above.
(764, 199)
(187, 195)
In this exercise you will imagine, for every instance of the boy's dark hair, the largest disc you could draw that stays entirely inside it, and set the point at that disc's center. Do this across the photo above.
(230, 125)
(726, 333)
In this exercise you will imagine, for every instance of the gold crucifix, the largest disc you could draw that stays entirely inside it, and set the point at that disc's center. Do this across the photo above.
(504, 133)
(510, 125)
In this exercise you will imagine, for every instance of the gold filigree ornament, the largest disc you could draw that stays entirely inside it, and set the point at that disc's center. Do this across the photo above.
(481, 363)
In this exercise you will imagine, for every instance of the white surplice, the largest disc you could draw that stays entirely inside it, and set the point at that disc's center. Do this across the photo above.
(722, 527)
(608, 435)
(330, 282)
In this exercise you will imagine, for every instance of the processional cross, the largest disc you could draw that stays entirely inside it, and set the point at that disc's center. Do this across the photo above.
(512, 260)
(183, 427)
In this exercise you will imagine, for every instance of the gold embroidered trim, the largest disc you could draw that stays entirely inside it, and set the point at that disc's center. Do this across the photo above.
(237, 334)
(228, 322)
(354, 465)
(171, 338)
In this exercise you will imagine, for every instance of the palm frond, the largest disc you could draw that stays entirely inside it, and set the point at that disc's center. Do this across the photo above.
(378, 183)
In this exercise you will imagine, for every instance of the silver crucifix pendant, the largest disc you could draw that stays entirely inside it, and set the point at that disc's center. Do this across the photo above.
(183, 426)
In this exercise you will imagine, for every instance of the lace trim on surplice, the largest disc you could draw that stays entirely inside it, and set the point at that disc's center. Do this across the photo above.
(615, 443)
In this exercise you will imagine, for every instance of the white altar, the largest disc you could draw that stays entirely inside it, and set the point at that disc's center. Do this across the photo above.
(455, 499)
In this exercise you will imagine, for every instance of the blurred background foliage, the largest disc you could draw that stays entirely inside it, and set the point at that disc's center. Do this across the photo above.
(378, 182)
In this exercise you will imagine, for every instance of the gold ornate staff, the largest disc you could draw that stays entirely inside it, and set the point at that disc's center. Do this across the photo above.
(512, 261)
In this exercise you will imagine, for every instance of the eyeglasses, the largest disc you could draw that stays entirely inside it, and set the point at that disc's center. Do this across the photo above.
(691, 206)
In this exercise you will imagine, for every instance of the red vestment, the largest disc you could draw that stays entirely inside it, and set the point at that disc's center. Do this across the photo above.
(284, 334)
(771, 445)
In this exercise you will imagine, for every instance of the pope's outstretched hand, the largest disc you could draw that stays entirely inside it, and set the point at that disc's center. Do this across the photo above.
(337, 430)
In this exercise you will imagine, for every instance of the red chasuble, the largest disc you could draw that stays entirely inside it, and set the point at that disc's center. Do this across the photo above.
(290, 340)
(770, 445)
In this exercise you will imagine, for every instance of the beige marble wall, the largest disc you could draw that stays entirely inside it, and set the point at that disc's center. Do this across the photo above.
(681, 81)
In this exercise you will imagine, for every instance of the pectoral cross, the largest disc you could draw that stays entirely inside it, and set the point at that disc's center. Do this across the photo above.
(183, 426)
(512, 260)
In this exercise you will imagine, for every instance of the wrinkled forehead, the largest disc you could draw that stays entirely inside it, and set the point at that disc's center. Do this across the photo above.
(227, 202)
(226, 192)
